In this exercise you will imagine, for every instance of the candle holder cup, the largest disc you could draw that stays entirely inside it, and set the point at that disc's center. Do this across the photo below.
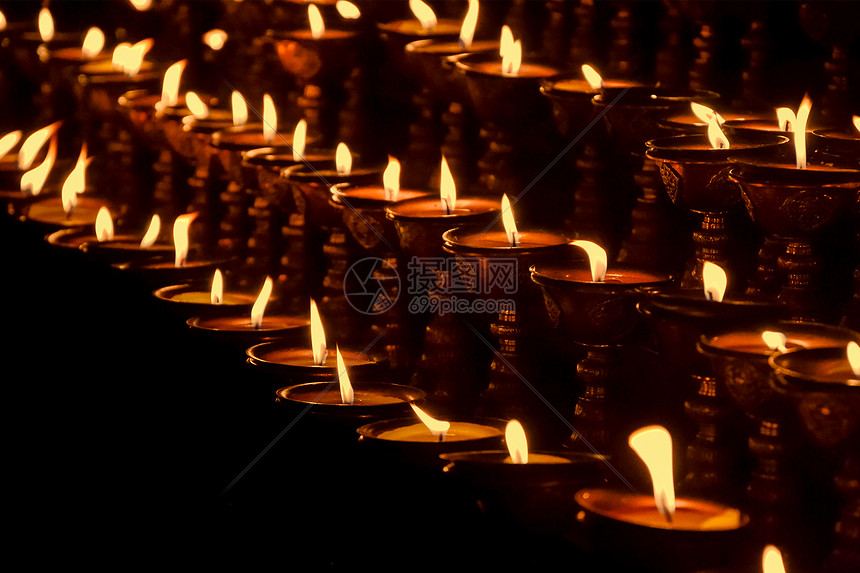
(777, 482)
(696, 180)
(798, 207)
(601, 320)
(536, 496)
(826, 394)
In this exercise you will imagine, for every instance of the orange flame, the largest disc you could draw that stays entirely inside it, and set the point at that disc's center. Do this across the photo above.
(2, 21)
(128, 58)
(447, 188)
(318, 344)
(705, 113)
(436, 427)
(316, 22)
(196, 106)
(141, 5)
(31, 146)
(33, 181)
(470, 22)
(391, 179)
(786, 118)
(46, 25)
(771, 560)
(653, 444)
(180, 237)
(597, 259)
(8, 141)
(216, 293)
(424, 13)
(347, 395)
(215, 38)
(240, 109)
(94, 41)
(716, 136)
(800, 131)
(104, 225)
(509, 223)
(152, 232)
(715, 281)
(594, 79)
(170, 84)
(515, 438)
(299, 136)
(853, 353)
(856, 120)
(76, 182)
(270, 119)
(511, 51)
(347, 10)
(774, 340)
(260, 304)
(343, 159)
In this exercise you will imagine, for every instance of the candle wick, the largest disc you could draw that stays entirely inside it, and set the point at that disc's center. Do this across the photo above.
(441, 436)
(447, 206)
(664, 508)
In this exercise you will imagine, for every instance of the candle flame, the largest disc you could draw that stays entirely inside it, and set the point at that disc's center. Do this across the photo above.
(215, 38)
(216, 293)
(152, 232)
(391, 179)
(318, 344)
(597, 259)
(104, 225)
(593, 78)
(424, 13)
(511, 51)
(774, 340)
(270, 119)
(347, 395)
(343, 159)
(46, 25)
(786, 118)
(299, 136)
(437, 427)
(447, 188)
(128, 58)
(509, 223)
(196, 106)
(716, 136)
(33, 144)
(316, 22)
(240, 109)
(180, 237)
(170, 84)
(853, 352)
(856, 120)
(518, 446)
(2, 21)
(467, 28)
(715, 281)
(653, 444)
(771, 560)
(141, 5)
(33, 181)
(260, 304)
(76, 182)
(705, 113)
(347, 10)
(800, 131)
(8, 141)
(94, 41)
